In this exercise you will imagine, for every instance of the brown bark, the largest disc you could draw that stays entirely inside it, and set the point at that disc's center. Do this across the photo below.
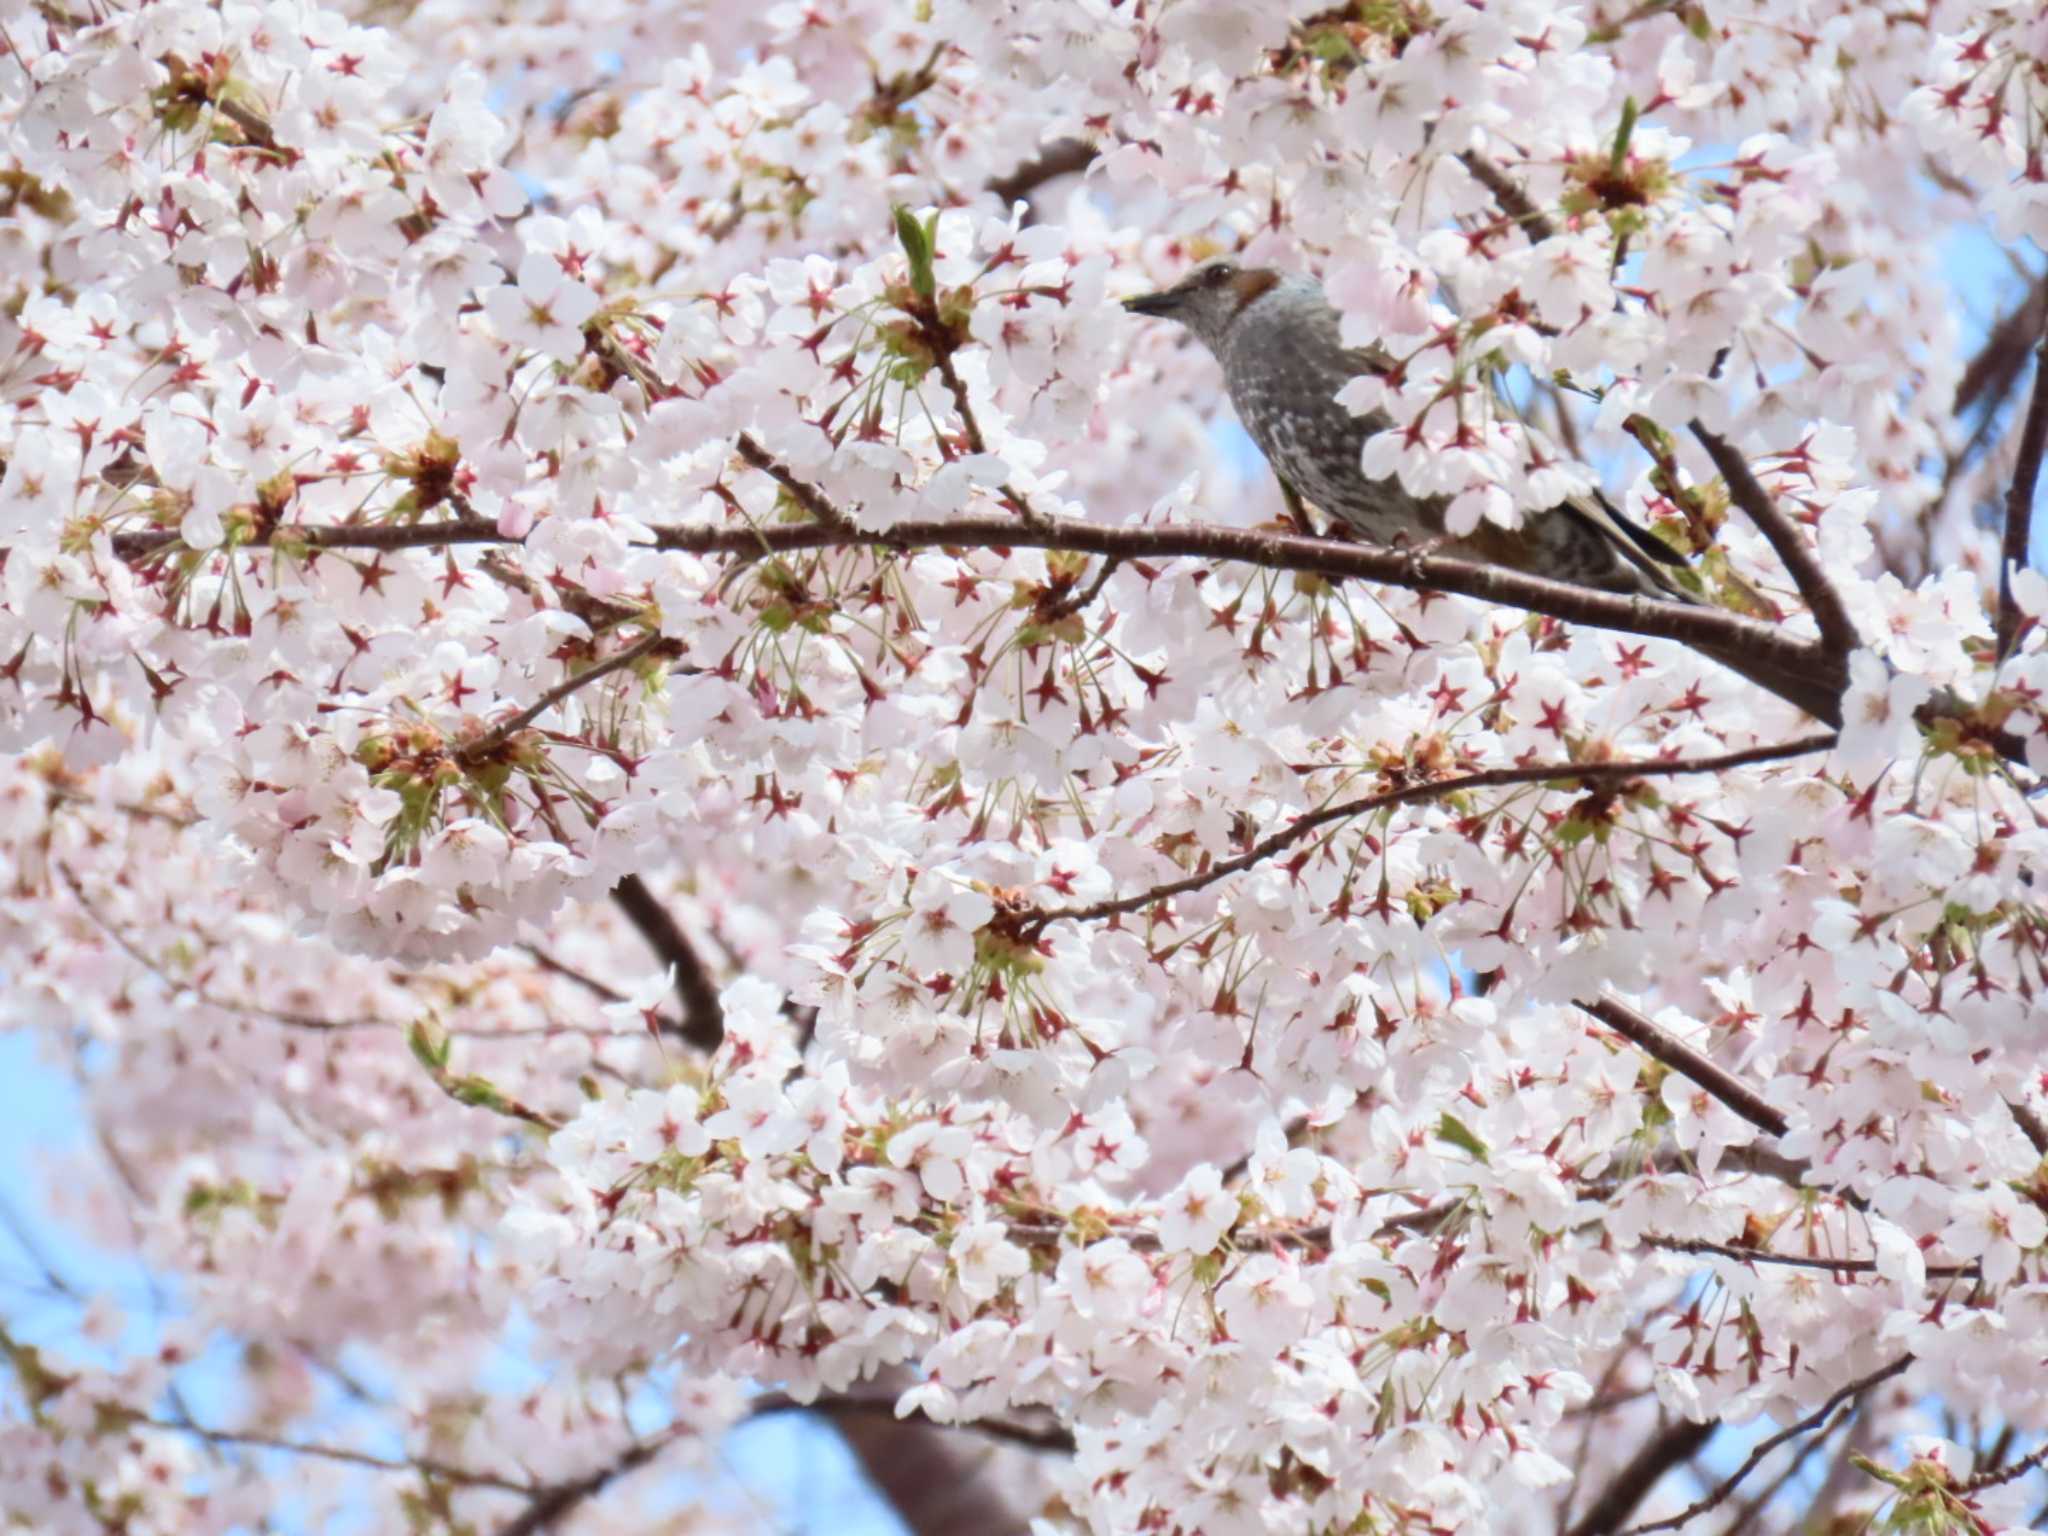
(941, 1481)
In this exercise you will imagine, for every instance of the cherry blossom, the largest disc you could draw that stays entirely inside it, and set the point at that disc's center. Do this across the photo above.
(648, 734)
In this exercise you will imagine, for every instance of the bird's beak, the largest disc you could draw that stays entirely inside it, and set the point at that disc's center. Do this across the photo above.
(1163, 303)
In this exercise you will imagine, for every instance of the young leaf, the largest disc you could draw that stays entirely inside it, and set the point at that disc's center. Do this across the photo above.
(1450, 1128)
(917, 242)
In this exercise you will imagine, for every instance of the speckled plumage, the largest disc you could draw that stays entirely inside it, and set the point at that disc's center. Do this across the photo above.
(1284, 361)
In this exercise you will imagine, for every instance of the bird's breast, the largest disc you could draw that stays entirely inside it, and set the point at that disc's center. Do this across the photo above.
(1283, 386)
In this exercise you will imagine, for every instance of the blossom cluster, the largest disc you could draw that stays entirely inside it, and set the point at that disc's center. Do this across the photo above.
(611, 745)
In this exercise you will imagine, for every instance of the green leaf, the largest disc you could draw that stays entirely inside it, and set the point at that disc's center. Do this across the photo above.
(918, 241)
(1450, 1128)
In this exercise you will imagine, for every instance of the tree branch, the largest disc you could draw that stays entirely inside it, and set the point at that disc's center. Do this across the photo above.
(1763, 644)
(1673, 1445)
(1800, 671)
(597, 989)
(1029, 1436)
(1696, 1245)
(1514, 202)
(2031, 1125)
(1837, 631)
(552, 1503)
(703, 1022)
(1996, 1475)
(1758, 1502)
(939, 1482)
(1991, 374)
(1486, 778)
(1688, 1063)
(1064, 157)
(2019, 502)
(806, 495)
(447, 1473)
(496, 737)
(1755, 1458)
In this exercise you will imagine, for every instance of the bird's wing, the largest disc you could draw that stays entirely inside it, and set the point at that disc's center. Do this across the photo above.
(1636, 548)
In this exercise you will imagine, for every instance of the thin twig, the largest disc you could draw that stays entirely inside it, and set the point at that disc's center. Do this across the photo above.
(552, 1503)
(1837, 630)
(255, 127)
(1758, 1502)
(2019, 502)
(1696, 1245)
(1079, 601)
(1997, 1475)
(802, 492)
(1688, 1063)
(597, 989)
(1487, 778)
(183, 988)
(496, 737)
(254, 1440)
(1813, 1420)
(944, 343)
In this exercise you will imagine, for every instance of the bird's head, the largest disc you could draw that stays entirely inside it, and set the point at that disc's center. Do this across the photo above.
(1209, 299)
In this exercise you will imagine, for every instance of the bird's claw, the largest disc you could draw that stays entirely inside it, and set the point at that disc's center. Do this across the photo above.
(1420, 550)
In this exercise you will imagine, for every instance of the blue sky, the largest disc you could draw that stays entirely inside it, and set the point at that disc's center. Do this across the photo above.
(784, 1473)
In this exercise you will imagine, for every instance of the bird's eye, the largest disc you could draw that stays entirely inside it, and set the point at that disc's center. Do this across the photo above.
(1219, 274)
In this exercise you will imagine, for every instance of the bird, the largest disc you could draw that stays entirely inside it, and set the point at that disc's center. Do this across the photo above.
(1284, 360)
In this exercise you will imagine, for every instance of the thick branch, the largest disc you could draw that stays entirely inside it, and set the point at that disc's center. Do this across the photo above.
(1763, 644)
(1674, 1445)
(939, 1482)
(1755, 1459)
(703, 1016)
(1837, 631)
(1487, 778)
(1990, 375)
(2019, 502)
(1062, 158)
(138, 547)
(1688, 1063)
(1031, 1437)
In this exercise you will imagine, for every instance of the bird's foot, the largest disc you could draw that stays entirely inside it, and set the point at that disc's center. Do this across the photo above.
(1419, 550)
